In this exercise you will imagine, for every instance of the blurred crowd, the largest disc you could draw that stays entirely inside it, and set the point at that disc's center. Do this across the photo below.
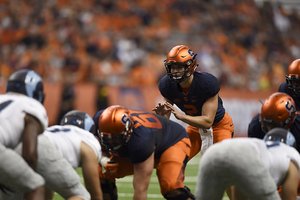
(124, 42)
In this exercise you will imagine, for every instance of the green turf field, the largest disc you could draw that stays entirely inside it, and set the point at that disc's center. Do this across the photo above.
(125, 188)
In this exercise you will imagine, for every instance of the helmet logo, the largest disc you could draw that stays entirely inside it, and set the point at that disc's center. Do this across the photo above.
(125, 119)
(191, 52)
(32, 78)
(289, 107)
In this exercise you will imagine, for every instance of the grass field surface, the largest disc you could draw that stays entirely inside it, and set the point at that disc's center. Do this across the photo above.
(125, 188)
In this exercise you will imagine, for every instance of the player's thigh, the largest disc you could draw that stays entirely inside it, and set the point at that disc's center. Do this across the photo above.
(170, 169)
(224, 129)
(16, 173)
(195, 139)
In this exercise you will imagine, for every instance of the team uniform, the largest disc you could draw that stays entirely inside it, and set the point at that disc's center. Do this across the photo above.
(154, 133)
(14, 171)
(284, 88)
(256, 167)
(204, 86)
(59, 155)
(68, 141)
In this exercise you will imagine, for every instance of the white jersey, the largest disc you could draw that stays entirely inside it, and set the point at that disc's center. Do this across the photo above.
(276, 156)
(13, 109)
(67, 140)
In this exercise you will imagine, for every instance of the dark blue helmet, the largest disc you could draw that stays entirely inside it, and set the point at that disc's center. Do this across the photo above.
(281, 135)
(26, 82)
(79, 119)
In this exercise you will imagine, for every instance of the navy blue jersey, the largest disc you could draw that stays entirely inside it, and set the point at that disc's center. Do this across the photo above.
(204, 86)
(255, 130)
(284, 88)
(151, 133)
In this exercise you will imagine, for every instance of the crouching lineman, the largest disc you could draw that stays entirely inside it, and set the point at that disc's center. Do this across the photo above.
(147, 140)
(255, 167)
(62, 149)
(22, 119)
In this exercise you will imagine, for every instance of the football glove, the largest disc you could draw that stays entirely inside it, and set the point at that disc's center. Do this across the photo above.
(108, 165)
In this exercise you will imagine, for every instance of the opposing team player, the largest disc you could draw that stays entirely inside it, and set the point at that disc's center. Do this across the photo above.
(148, 141)
(255, 167)
(292, 84)
(197, 95)
(22, 119)
(63, 148)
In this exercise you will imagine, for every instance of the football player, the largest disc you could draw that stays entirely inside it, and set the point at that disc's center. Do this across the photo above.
(146, 140)
(22, 119)
(278, 110)
(65, 147)
(197, 95)
(292, 84)
(255, 167)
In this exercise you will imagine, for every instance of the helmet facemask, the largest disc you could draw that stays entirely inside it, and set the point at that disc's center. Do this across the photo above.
(186, 73)
(268, 124)
(293, 83)
(118, 137)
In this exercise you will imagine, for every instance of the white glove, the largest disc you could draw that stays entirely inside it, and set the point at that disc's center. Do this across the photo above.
(207, 138)
(108, 165)
(104, 160)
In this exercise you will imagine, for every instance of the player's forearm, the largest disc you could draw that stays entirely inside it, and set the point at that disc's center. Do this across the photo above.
(197, 121)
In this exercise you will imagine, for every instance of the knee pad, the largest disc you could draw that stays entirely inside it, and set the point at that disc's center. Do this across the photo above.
(109, 189)
(180, 194)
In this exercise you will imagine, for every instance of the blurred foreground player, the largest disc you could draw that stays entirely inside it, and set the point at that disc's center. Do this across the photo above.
(22, 119)
(255, 167)
(62, 149)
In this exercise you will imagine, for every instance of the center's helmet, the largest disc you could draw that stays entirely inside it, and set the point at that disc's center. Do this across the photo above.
(79, 119)
(115, 127)
(26, 82)
(181, 55)
(293, 77)
(278, 110)
(281, 135)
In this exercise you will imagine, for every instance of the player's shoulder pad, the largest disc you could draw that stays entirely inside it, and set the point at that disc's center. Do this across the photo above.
(36, 109)
(163, 83)
(208, 83)
(283, 87)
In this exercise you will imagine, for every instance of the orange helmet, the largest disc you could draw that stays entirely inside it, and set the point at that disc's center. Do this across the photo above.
(181, 55)
(115, 127)
(277, 111)
(293, 77)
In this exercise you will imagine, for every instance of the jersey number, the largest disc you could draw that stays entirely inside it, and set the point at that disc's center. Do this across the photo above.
(147, 120)
(191, 110)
